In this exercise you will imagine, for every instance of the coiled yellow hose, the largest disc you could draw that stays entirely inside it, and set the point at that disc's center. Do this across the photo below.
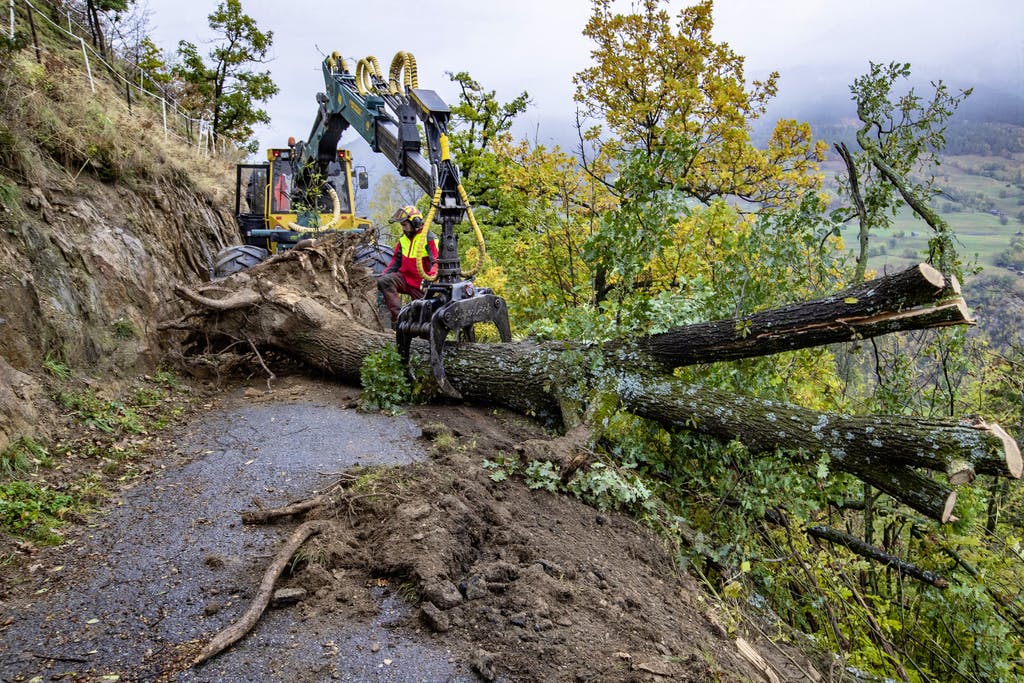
(336, 60)
(403, 73)
(329, 225)
(366, 69)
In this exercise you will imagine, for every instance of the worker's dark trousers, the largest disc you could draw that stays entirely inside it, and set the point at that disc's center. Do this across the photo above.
(393, 284)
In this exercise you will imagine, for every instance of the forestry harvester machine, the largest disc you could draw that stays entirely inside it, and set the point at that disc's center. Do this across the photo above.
(315, 177)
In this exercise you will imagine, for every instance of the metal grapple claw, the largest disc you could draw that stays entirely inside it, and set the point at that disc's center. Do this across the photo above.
(445, 309)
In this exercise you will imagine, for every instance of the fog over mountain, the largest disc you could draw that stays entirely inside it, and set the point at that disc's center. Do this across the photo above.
(817, 46)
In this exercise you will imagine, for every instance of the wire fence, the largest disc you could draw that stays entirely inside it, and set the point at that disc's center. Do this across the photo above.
(177, 122)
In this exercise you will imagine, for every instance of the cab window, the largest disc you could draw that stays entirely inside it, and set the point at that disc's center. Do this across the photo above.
(281, 187)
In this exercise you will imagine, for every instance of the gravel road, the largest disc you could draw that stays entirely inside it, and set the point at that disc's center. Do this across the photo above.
(171, 562)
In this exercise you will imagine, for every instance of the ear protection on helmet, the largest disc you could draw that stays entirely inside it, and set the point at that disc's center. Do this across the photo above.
(407, 213)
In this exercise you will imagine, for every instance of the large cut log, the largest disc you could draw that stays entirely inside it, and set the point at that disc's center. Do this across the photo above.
(540, 378)
(919, 297)
(864, 442)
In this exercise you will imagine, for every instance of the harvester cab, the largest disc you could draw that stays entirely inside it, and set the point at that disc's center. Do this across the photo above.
(276, 206)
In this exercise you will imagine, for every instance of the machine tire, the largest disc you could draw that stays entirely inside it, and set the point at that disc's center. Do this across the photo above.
(239, 257)
(375, 256)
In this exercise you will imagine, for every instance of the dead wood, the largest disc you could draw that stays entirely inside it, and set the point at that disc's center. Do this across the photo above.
(232, 634)
(274, 514)
(870, 552)
(324, 499)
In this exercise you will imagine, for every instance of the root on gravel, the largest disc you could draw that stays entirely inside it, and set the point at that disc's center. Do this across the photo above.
(232, 634)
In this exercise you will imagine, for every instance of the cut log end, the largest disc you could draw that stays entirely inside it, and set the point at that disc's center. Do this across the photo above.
(965, 312)
(932, 275)
(960, 472)
(1014, 463)
(947, 509)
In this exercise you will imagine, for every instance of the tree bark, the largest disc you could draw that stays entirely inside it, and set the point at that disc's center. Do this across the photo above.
(542, 378)
(919, 297)
(863, 549)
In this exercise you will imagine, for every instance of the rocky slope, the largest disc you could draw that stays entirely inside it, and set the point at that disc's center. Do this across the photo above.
(100, 215)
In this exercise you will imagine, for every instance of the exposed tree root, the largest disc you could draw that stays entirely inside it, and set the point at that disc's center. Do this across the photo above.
(274, 514)
(232, 634)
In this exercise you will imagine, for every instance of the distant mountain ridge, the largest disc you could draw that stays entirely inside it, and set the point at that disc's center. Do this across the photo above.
(990, 120)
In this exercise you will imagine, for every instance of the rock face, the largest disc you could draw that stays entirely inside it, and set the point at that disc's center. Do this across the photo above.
(19, 396)
(87, 269)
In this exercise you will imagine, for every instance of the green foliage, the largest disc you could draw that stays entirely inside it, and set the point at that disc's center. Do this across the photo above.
(103, 415)
(610, 488)
(479, 121)
(9, 45)
(8, 194)
(385, 386)
(20, 455)
(123, 329)
(541, 474)
(604, 485)
(900, 138)
(31, 511)
(1012, 257)
(39, 492)
(226, 87)
(502, 467)
(649, 246)
(166, 379)
(153, 64)
(56, 368)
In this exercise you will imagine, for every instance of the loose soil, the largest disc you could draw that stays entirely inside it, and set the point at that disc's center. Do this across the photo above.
(429, 569)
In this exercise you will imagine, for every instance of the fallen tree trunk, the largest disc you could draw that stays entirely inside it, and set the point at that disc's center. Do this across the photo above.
(917, 298)
(542, 378)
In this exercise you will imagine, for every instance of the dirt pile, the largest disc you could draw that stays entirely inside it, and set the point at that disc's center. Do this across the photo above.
(523, 584)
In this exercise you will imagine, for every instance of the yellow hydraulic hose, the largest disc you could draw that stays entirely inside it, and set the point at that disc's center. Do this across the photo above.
(336, 60)
(476, 230)
(421, 237)
(336, 209)
(366, 69)
(403, 65)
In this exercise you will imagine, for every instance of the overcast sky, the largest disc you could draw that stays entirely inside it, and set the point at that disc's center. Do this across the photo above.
(818, 46)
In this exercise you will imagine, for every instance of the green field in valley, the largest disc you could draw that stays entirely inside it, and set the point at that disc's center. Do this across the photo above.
(982, 200)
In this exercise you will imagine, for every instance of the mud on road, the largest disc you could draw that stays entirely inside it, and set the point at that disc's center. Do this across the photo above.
(430, 572)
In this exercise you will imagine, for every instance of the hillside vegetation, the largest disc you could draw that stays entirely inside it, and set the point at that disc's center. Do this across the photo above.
(102, 211)
(672, 216)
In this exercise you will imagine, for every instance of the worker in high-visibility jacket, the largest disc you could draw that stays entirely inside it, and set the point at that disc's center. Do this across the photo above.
(402, 276)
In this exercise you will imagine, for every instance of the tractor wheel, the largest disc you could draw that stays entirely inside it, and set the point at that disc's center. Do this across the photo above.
(375, 256)
(239, 257)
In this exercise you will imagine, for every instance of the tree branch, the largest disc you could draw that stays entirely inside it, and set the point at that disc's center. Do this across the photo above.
(861, 548)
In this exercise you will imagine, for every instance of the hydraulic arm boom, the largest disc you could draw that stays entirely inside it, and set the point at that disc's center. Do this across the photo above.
(386, 113)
